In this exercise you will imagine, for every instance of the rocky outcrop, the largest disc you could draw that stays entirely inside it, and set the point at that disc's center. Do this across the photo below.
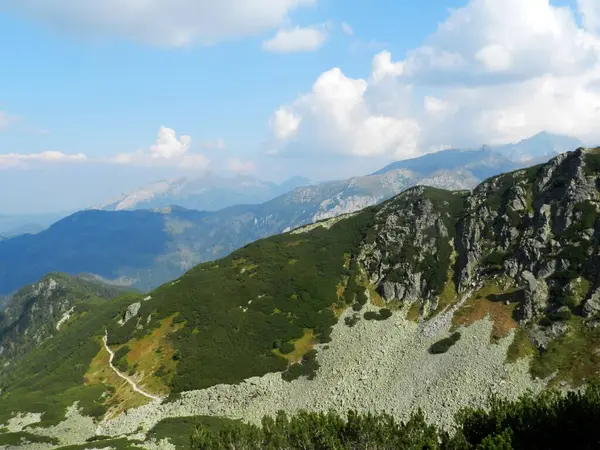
(410, 250)
(592, 305)
(131, 312)
(537, 226)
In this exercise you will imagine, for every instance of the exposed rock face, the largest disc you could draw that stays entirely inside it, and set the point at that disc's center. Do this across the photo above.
(537, 226)
(409, 252)
(131, 312)
(592, 305)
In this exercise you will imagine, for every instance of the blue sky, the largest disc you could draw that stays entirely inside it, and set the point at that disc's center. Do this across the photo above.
(92, 84)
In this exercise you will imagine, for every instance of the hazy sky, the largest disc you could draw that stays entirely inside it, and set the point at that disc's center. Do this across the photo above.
(97, 97)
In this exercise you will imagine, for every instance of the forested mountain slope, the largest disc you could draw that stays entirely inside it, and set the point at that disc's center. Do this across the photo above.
(37, 312)
(433, 299)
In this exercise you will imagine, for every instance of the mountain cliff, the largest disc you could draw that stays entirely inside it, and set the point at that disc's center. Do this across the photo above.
(433, 300)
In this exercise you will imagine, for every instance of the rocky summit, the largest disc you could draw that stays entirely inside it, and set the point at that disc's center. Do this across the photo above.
(434, 300)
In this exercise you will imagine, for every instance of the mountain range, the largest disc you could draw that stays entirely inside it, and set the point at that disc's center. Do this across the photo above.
(144, 248)
(208, 192)
(434, 300)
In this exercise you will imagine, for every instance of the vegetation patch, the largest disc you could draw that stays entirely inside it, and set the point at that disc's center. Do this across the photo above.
(22, 438)
(592, 163)
(414, 312)
(121, 395)
(307, 366)
(108, 444)
(574, 357)
(489, 301)
(448, 295)
(444, 345)
(152, 352)
(382, 314)
(179, 429)
(294, 351)
(352, 320)
(375, 297)
(520, 347)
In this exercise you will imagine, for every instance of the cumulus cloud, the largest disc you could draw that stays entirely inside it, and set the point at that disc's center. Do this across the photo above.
(590, 10)
(26, 159)
(284, 123)
(159, 22)
(521, 39)
(237, 166)
(297, 39)
(338, 116)
(168, 151)
(493, 72)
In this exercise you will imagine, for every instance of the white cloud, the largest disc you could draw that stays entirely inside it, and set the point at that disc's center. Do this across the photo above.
(159, 22)
(590, 10)
(435, 106)
(523, 39)
(26, 159)
(347, 29)
(297, 39)
(338, 117)
(495, 71)
(495, 58)
(236, 165)
(383, 66)
(167, 151)
(284, 124)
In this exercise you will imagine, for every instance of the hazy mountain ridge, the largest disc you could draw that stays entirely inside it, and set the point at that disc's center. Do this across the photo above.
(207, 192)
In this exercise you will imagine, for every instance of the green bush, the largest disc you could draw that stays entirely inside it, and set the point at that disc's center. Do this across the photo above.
(371, 315)
(287, 347)
(307, 367)
(121, 353)
(444, 345)
(385, 313)
(561, 315)
(592, 164)
(352, 320)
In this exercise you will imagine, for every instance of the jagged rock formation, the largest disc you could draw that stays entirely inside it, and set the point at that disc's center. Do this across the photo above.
(536, 226)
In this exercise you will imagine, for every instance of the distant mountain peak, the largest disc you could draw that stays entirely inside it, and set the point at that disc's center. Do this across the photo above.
(208, 192)
(539, 148)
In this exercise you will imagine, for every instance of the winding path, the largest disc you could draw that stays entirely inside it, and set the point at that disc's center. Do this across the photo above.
(135, 387)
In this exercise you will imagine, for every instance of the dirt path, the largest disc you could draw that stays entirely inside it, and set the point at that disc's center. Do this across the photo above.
(135, 387)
